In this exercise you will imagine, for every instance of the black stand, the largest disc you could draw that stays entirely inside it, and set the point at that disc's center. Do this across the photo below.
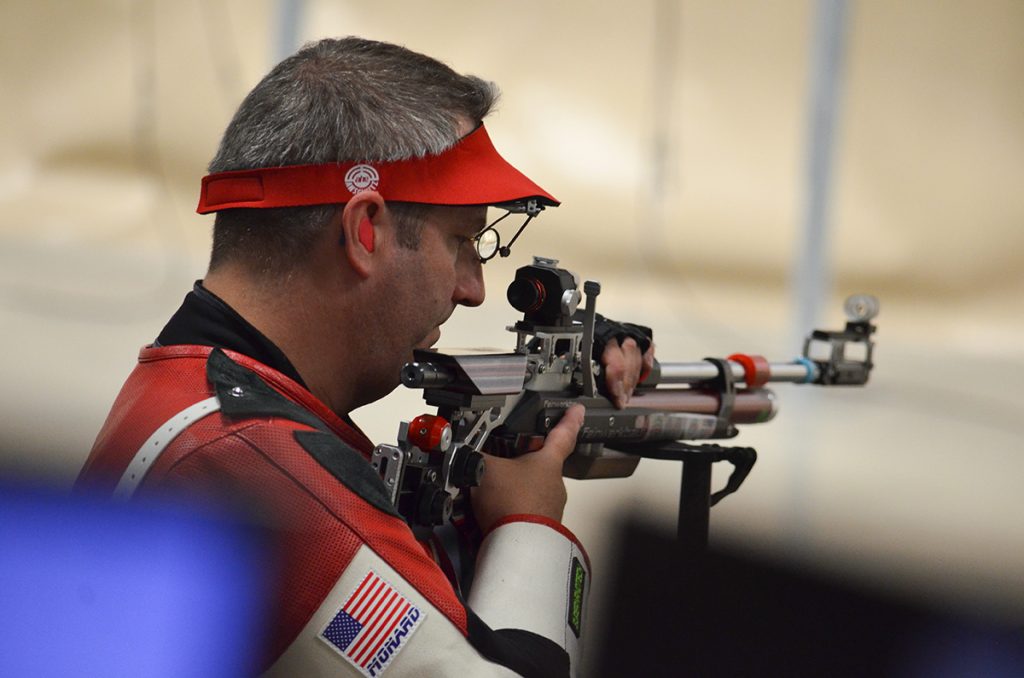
(695, 496)
(695, 503)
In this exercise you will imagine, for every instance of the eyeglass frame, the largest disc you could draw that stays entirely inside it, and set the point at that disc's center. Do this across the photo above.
(531, 208)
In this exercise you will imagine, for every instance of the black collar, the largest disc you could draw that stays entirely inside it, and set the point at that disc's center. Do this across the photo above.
(205, 319)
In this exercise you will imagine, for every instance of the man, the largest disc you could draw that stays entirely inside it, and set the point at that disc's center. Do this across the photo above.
(351, 191)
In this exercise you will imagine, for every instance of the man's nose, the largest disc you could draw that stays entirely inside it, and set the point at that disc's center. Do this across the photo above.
(469, 286)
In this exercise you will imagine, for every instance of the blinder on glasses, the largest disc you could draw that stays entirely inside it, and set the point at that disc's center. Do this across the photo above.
(488, 241)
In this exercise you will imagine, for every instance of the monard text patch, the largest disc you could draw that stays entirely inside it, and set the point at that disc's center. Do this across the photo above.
(373, 625)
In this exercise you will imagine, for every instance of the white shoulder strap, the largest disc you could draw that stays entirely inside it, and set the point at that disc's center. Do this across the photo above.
(158, 442)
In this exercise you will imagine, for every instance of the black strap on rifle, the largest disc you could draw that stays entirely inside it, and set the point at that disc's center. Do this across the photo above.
(725, 385)
(606, 329)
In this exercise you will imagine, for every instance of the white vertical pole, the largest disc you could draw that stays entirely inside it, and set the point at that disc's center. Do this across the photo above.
(286, 28)
(812, 279)
(663, 155)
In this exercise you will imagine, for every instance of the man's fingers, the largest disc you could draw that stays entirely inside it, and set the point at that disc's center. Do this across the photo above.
(561, 439)
(613, 362)
(622, 365)
(648, 362)
(633, 362)
(649, 357)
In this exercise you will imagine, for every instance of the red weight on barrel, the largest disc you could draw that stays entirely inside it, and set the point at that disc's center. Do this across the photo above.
(756, 369)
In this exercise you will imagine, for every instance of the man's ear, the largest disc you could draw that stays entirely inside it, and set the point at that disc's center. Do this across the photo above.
(361, 219)
(366, 234)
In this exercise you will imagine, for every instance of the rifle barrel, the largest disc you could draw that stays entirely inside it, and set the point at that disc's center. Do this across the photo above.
(750, 407)
(692, 373)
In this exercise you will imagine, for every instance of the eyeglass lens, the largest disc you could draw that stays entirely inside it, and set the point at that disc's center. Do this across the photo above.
(487, 243)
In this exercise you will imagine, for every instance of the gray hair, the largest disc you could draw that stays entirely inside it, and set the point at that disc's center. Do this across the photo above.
(336, 101)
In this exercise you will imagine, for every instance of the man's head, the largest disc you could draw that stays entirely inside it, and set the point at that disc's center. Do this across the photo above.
(348, 189)
(335, 101)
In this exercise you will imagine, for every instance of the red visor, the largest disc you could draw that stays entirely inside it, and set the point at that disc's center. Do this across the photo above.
(469, 173)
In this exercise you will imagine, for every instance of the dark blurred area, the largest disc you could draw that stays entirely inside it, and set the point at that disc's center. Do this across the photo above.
(728, 613)
(148, 589)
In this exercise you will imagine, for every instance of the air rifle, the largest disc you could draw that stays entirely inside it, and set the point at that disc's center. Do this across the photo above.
(506, 403)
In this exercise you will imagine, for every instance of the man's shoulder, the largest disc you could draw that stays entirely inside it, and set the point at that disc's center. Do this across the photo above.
(180, 399)
(275, 456)
(203, 407)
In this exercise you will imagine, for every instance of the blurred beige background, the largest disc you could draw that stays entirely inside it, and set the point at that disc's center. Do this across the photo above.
(676, 135)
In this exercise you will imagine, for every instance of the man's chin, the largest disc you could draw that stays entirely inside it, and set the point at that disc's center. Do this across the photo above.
(431, 339)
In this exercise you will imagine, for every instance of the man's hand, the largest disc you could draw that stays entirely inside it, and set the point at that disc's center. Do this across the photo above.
(623, 366)
(532, 483)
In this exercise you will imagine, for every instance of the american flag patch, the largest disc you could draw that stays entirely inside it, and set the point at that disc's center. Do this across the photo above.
(373, 625)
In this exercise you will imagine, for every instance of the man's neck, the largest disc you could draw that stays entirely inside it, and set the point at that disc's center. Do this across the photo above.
(287, 312)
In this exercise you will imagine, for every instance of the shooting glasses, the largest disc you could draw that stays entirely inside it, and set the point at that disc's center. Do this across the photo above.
(488, 241)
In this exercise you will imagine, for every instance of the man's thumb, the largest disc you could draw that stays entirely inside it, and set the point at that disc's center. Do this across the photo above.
(562, 438)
